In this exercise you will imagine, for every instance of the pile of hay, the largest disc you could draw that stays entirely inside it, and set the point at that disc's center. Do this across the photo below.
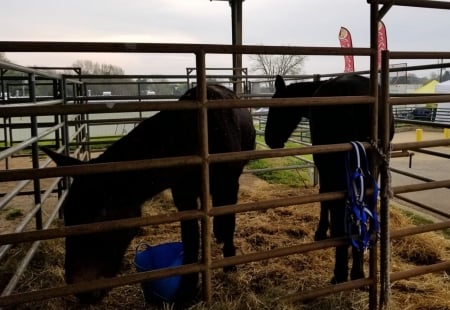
(259, 285)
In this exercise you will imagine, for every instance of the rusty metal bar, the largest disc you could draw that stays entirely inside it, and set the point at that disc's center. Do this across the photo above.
(428, 4)
(418, 271)
(418, 99)
(205, 184)
(419, 55)
(417, 145)
(162, 218)
(96, 227)
(420, 187)
(132, 47)
(331, 289)
(104, 283)
(424, 207)
(21, 174)
(139, 277)
(204, 216)
(279, 252)
(135, 278)
(136, 106)
(385, 183)
(375, 123)
(299, 296)
(411, 175)
(105, 107)
(433, 153)
(111, 167)
(384, 10)
(405, 232)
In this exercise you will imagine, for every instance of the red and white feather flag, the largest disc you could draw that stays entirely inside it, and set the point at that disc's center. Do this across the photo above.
(382, 41)
(345, 39)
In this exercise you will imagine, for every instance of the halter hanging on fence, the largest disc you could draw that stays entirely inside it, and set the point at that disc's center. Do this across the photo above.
(361, 216)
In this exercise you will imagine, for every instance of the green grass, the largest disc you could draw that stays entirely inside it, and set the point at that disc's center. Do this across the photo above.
(291, 177)
(13, 214)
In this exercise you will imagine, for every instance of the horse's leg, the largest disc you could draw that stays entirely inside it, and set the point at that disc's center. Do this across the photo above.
(185, 198)
(358, 265)
(337, 214)
(224, 191)
(322, 163)
(324, 223)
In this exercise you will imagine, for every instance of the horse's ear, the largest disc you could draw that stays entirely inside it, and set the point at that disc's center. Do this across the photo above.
(279, 83)
(60, 159)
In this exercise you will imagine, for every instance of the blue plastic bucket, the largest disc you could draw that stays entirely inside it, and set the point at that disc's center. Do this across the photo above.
(155, 257)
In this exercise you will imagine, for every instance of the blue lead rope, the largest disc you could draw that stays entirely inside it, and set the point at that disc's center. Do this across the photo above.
(361, 218)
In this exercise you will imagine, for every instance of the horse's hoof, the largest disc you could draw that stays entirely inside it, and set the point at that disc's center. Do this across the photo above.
(336, 280)
(319, 235)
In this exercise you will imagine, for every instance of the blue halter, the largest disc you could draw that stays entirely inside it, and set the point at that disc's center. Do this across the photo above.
(361, 216)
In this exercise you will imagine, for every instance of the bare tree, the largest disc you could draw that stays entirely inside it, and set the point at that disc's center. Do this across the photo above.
(90, 67)
(271, 65)
(98, 86)
(3, 57)
(278, 64)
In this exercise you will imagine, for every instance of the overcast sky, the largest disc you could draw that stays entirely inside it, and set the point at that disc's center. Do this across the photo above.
(265, 22)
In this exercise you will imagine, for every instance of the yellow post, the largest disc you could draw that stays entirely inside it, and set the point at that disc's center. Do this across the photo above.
(419, 134)
(446, 133)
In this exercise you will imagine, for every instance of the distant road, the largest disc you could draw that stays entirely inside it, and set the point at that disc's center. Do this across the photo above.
(432, 167)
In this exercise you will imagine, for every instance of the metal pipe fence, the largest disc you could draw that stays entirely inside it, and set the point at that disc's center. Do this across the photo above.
(381, 101)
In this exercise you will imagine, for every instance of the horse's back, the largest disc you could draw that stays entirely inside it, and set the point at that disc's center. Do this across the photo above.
(341, 123)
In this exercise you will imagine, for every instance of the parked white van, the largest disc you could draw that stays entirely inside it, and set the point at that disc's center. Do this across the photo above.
(443, 108)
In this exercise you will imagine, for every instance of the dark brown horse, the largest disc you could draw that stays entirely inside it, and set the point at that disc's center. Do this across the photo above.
(118, 195)
(328, 125)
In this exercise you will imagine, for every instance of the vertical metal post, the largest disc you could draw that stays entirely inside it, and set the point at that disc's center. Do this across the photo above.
(64, 118)
(65, 132)
(236, 25)
(205, 202)
(385, 183)
(373, 261)
(35, 150)
(374, 65)
(8, 136)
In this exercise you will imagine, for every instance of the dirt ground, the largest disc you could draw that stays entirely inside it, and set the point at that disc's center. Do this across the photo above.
(258, 285)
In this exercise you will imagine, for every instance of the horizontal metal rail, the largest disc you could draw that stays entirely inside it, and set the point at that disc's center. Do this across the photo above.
(136, 106)
(427, 4)
(425, 207)
(12, 66)
(199, 49)
(235, 260)
(20, 174)
(128, 47)
(418, 99)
